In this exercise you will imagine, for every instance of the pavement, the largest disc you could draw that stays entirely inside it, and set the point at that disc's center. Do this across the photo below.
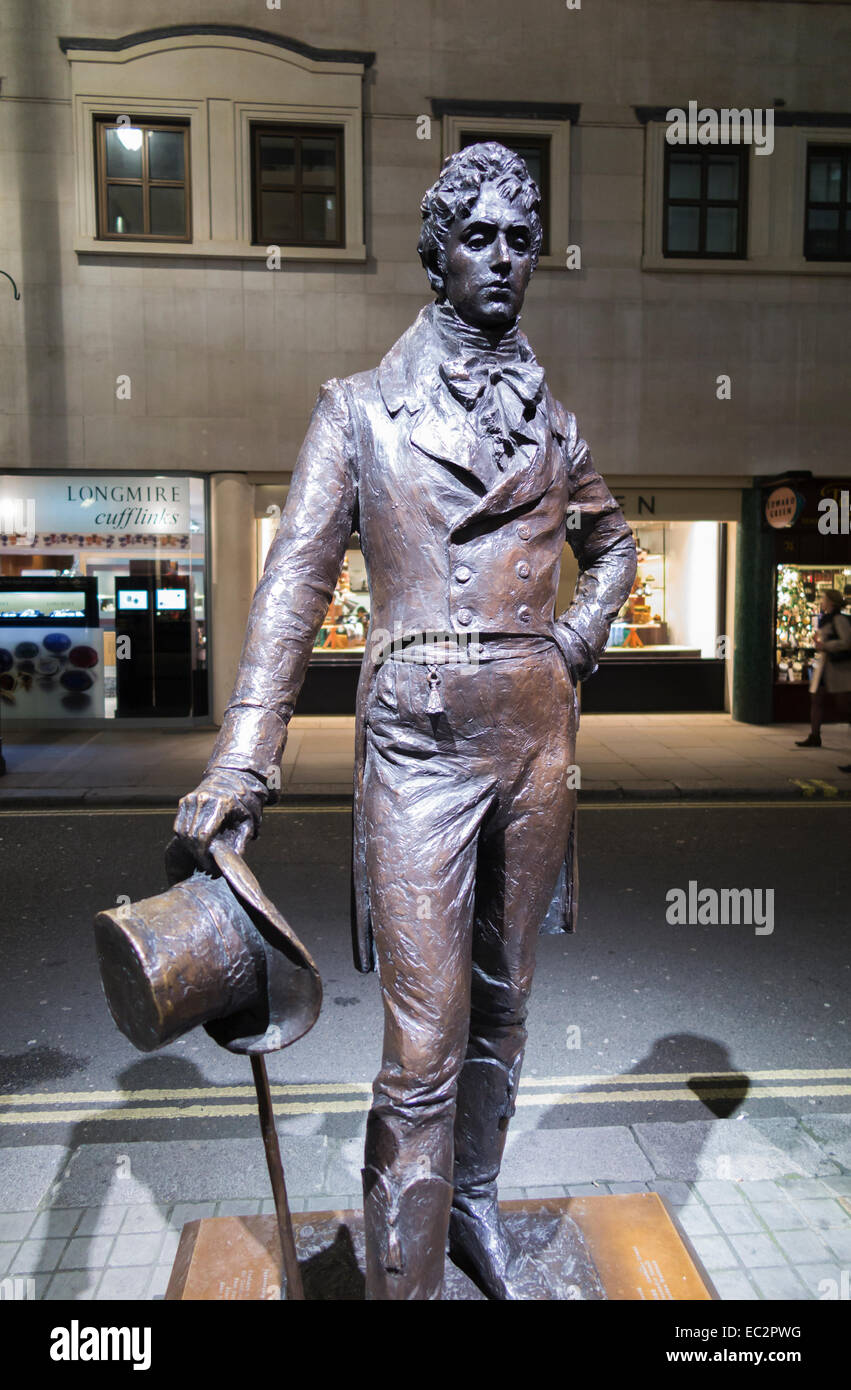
(763, 1198)
(644, 756)
(764, 1203)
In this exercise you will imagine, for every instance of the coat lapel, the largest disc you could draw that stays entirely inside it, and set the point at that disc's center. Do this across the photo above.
(408, 378)
(449, 437)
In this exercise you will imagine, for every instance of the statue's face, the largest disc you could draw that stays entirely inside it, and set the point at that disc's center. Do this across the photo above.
(489, 261)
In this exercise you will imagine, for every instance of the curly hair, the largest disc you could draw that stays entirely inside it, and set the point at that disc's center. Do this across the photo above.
(459, 185)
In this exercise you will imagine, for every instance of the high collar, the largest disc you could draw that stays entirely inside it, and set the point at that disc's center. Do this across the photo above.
(463, 339)
(412, 362)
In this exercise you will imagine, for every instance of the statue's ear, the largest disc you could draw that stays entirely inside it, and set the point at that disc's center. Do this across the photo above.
(434, 272)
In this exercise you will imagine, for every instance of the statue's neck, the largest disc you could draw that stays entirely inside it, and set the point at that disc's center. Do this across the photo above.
(467, 337)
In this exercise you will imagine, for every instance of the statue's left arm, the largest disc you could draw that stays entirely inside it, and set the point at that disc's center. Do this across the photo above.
(605, 548)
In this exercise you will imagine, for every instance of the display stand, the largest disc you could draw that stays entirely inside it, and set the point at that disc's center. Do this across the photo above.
(631, 1249)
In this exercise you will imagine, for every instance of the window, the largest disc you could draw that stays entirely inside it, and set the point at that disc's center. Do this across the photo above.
(535, 150)
(827, 230)
(143, 180)
(297, 185)
(705, 203)
(676, 604)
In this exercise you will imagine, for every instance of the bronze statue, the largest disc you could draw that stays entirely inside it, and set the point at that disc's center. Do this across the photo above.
(463, 476)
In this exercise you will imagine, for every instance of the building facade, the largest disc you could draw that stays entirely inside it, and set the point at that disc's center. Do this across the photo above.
(209, 218)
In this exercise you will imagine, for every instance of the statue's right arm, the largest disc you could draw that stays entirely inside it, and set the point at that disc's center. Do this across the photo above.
(290, 602)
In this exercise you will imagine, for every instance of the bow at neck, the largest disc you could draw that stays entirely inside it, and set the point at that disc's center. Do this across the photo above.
(469, 378)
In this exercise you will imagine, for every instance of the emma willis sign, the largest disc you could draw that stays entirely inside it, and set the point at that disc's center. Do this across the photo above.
(97, 504)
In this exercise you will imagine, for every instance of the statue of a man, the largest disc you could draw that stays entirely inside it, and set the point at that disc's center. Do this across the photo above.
(463, 477)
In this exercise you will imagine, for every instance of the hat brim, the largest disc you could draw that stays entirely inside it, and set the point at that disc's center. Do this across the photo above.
(293, 985)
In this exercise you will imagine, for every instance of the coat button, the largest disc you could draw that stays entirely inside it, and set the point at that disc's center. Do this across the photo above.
(523, 569)
(463, 574)
(524, 531)
(465, 617)
(523, 613)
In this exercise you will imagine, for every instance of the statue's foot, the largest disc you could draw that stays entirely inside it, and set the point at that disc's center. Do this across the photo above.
(480, 1245)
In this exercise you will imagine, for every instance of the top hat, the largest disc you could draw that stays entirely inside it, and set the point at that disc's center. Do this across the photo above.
(211, 950)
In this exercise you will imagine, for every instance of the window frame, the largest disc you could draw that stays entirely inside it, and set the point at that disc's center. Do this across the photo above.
(559, 133)
(298, 130)
(776, 196)
(236, 76)
(705, 153)
(544, 141)
(103, 123)
(842, 206)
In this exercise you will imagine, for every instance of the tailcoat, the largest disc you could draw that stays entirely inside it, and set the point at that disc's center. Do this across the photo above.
(453, 542)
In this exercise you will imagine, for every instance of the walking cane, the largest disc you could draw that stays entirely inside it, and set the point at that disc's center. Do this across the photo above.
(295, 1288)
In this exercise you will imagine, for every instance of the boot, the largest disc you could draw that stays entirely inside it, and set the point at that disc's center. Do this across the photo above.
(479, 1243)
(811, 741)
(405, 1229)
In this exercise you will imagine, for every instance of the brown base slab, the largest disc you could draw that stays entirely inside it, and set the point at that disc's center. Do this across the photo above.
(629, 1248)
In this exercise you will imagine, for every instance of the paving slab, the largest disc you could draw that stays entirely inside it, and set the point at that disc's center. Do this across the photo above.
(803, 1247)
(833, 1133)
(780, 1283)
(72, 1285)
(27, 1175)
(571, 1156)
(182, 1171)
(734, 1284)
(749, 1149)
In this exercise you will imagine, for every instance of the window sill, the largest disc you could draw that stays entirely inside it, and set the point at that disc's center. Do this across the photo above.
(227, 250)
(760, 266)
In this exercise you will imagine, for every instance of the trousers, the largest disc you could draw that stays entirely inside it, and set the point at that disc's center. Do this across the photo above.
(467, 813)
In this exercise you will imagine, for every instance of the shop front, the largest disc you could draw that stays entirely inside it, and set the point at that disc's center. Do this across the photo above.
(670, 647)
(103, 598)
(330, 685)
(809, 529)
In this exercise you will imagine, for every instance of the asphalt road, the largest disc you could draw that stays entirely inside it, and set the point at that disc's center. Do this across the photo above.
(630, 995)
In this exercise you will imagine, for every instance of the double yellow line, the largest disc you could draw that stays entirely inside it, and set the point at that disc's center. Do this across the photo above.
(335, 1098)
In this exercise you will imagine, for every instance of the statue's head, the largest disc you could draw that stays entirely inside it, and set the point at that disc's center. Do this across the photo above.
(481, 234)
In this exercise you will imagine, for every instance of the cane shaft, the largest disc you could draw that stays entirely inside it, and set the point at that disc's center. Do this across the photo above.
(295, 1288)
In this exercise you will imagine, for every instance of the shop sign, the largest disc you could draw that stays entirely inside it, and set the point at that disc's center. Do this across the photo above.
(782, 506)
(119, 504)
(679, 504)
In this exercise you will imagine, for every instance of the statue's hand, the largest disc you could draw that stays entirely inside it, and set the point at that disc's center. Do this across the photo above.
(226, 802)
(580, 658)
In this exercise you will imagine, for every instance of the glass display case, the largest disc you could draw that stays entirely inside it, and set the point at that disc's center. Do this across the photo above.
(51, 648)
(69, 601)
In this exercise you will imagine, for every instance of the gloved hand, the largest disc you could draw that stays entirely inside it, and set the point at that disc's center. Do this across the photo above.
(227, 802)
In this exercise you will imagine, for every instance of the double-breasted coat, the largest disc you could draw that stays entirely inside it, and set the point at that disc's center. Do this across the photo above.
(451, 545)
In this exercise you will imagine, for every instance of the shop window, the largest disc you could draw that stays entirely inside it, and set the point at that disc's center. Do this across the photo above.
(345, 625)
(143, 180)
(705, 203)
(347, 620)
(536, 151)
(798, 594)
(103, 597)
(675, 605)
(297, 185)
(827, 231)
